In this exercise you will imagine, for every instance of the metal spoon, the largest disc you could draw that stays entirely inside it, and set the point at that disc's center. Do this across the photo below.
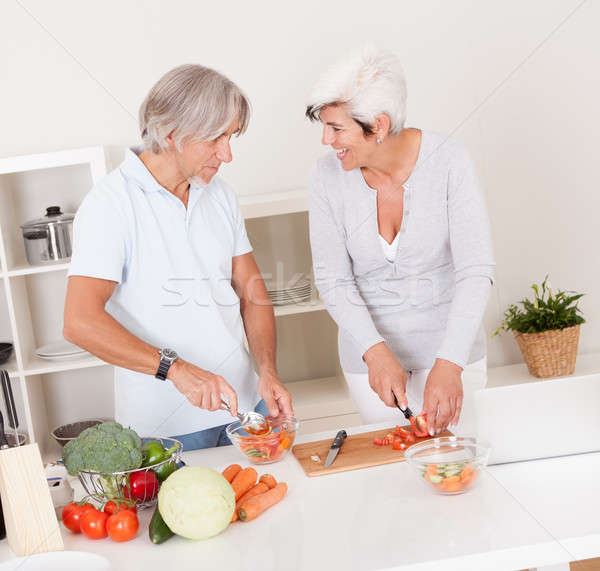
(253, 420)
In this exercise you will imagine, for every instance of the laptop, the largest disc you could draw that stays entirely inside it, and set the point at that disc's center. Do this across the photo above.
(541, 419)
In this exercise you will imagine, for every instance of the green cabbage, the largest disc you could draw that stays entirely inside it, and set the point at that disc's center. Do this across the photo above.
(196, 502)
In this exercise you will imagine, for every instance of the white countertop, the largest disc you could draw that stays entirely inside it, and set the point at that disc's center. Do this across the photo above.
(521, 515)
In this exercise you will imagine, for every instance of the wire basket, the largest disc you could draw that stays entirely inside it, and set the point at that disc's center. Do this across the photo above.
(101, 486)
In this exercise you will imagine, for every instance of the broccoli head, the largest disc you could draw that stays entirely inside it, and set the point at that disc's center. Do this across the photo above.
(105, 448)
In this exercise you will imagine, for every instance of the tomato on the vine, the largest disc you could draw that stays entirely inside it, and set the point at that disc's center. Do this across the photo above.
(71, 515)
(93, 524)
(113, 506)
(122, 526)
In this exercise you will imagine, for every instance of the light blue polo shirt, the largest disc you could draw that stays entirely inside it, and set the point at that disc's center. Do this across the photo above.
(173, 269)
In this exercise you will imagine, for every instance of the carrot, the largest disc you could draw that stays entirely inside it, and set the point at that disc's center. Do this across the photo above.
(231, 472)
(243, 481)
(255, 490)
(466, 473)
(253, 507)
(269, 480)
(452, 484)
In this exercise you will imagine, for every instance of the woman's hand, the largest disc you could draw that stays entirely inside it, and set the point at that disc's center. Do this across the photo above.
(277, 397)
(387, 377)
(442, 400)
(202, 388)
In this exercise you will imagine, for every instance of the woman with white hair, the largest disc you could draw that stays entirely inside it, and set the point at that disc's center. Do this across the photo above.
(163, 282)
(401, 248)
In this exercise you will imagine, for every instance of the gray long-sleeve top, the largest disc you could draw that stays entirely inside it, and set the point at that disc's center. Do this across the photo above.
(430, 301)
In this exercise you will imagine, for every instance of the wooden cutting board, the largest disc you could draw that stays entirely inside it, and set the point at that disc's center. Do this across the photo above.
(358, 451)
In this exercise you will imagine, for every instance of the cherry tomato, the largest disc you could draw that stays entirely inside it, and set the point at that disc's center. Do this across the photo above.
(71, 515)
(93, 524)
(112, 507)
(398, 445)
(122, 526)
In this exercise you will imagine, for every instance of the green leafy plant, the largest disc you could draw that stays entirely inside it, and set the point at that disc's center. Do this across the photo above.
(546, 312)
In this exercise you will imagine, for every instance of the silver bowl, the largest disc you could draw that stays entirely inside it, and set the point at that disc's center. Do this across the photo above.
(62, 434)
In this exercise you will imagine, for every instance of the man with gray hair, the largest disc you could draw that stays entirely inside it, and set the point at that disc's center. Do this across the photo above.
(163, 283)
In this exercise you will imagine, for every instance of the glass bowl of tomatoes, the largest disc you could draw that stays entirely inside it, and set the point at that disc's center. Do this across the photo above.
(265, 448)
(449, 464)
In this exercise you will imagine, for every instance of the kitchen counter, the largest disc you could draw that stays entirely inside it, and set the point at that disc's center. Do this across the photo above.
(518, 516)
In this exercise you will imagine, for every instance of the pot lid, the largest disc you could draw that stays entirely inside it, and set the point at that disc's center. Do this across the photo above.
(53, 216)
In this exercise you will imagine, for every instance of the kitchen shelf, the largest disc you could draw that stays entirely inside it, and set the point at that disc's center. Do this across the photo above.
(318, 398)
(92, 156)
(34, 295)
(273, 203)
(36, 366)
(28, 269)
(314, 304)
(587, 364)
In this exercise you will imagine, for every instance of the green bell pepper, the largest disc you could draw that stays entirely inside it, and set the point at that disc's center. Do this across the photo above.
(153, 453)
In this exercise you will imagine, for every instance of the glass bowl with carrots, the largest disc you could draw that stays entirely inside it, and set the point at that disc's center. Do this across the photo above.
(450, 464)
(267, 446)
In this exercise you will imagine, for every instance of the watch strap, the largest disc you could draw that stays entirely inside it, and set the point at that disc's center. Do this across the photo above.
(163, 369)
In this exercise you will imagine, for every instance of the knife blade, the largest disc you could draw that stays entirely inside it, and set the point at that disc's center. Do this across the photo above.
(335, 447)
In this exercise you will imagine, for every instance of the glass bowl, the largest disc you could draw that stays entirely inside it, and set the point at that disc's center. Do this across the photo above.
(268, 448)
(449, 464)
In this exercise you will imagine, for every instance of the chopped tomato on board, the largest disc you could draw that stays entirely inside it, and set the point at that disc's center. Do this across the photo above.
(377, 441)
(405, 434)
(388, 439)
(398, 444)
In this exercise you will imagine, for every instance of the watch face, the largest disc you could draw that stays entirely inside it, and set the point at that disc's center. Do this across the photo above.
(169, 354)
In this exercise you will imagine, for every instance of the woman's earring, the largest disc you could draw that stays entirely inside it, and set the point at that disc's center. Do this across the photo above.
(379, 140)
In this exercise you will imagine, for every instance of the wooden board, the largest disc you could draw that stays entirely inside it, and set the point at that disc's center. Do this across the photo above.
(29, 516)
(358, 451)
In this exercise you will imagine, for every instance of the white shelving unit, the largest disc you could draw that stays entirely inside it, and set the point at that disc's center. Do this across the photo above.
(34, 318)
(50, 393)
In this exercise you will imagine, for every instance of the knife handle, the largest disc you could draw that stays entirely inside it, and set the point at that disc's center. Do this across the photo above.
(406, 412)
(339, 439)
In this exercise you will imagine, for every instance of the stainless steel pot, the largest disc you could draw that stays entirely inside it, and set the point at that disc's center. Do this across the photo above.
(49, 239)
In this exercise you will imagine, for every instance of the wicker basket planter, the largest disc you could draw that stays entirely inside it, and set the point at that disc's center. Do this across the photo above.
(550, 353)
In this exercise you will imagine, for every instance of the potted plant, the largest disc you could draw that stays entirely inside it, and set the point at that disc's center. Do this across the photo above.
(547, 330)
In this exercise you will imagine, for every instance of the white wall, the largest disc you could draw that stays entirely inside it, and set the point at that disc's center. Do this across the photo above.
(498, 75)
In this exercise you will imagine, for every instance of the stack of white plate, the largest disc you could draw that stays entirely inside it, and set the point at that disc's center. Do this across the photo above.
(59, 351)
(286, 294)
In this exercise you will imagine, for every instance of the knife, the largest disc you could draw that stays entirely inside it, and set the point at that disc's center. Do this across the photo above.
(9, 400)
(335, 447)
(406, 412)
(3, 441)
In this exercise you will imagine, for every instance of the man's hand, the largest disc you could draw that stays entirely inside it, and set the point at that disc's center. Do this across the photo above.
(387, 377)
(202, 388)
(277, 397)
(442, 400)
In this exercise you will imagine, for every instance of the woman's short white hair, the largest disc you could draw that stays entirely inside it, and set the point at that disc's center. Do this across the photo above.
(367, 84)
(192, 102)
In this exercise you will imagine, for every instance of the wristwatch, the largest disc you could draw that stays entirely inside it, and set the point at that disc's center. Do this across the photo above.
(167, 358)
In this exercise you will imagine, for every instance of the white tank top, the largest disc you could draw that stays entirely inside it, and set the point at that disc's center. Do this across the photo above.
(389, 250)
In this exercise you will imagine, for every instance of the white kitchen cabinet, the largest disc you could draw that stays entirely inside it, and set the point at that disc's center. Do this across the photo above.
(50, 393)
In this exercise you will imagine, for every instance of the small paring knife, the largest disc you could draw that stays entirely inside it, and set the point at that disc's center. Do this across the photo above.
(406, 412)
(335, 447)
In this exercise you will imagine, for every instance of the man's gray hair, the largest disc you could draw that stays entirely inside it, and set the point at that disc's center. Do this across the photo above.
(368, 84)
(192, 102)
